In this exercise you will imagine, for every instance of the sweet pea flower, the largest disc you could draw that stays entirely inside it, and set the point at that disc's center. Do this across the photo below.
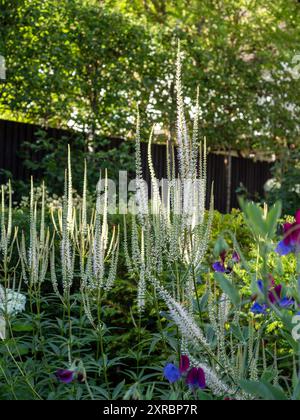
(65, 376)
(223, 267)
(196, 378)
(236, 258)
(219, 266)
(258, 309)
(291, 241)
(274, 297)
(172, 373)
(184, 364)
(274, 292)
(286, 302)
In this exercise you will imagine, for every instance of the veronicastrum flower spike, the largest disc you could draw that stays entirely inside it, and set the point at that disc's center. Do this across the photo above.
(174, 230)
(34, 261)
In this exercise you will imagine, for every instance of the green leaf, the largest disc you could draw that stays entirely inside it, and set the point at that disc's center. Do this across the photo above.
(272, 218)
(238, 333)
(220, 246)
(204, 396)
(228, 288)
(256, 219)
(22, 327)
(118, 390)
(268, 375)
(263, 390)
(296, 393)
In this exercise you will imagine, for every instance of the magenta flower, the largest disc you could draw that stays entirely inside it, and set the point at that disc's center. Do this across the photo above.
(226, 267)
(219, 266)
(184, 364)
(275, 294)
(236, 258)
(291, 240)
(196, 378)
(65, 376)
(274, 297)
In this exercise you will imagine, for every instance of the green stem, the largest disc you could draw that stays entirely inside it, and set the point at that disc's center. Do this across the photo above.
(139, 344)
(197, 295)
(8, 383)
(160, 327)
(23, 374)
(100, 342)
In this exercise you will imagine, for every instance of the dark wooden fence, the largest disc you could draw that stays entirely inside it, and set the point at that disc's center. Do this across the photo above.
(252, 175)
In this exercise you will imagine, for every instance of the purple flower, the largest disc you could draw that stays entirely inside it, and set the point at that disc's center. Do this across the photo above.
(286, 302)
(291, 240)
(260, 285)
(65, 376)
(283, 249)
(274, 296)
(172, 373)
(184, 364)
(219, 267)
(222, 267)
(258, 309)
(201, 379)
(274, 292)
(196, 378)
(236, 258)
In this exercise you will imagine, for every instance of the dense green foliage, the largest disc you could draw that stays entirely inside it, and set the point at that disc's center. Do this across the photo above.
(285, 184)
(88, 65)
(51, 160)
(135, 347)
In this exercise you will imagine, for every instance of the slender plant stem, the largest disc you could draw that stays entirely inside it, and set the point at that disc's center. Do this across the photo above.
(22, 373)
(9, 383)
(100, 343)
(160, 327)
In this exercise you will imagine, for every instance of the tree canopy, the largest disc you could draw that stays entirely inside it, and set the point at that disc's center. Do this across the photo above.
(89, 64)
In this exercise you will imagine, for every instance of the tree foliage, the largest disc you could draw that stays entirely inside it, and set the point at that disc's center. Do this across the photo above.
(75, 64)
(241, 53)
